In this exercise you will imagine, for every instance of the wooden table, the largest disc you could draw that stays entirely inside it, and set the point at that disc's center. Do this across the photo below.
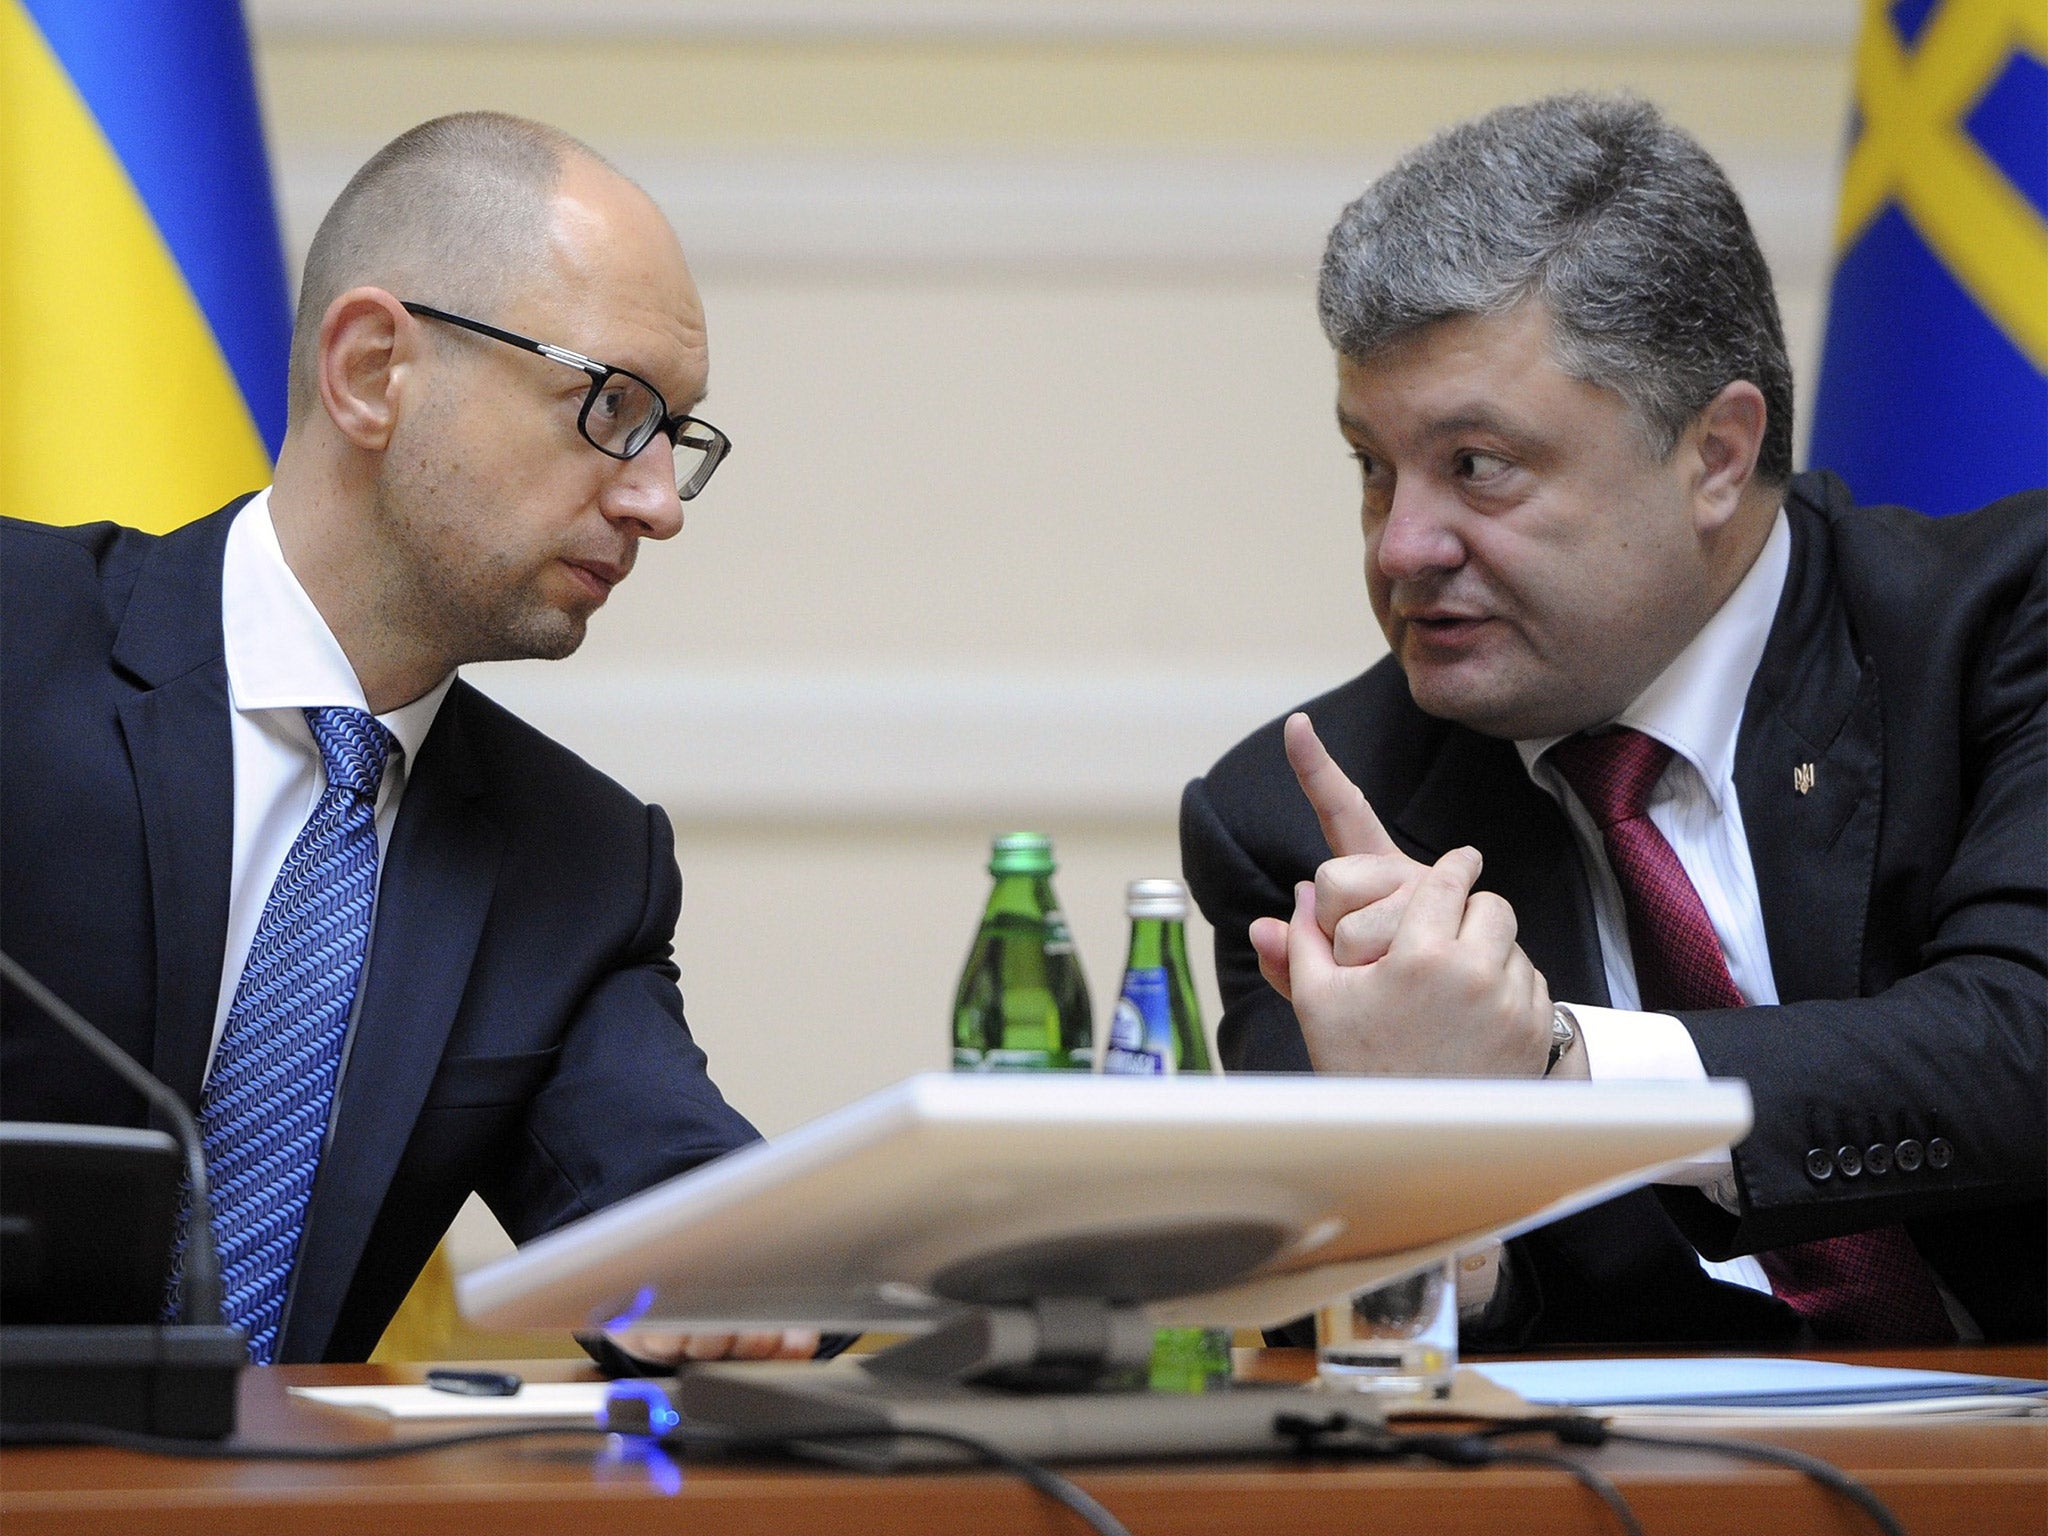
(1987, 1477)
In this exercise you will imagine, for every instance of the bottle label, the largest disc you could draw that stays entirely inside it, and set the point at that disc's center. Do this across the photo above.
(966, 1060)
(1141, 1032)
(1058, 941)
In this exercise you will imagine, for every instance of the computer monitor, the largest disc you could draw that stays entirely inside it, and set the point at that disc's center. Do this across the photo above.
(1241, 1201)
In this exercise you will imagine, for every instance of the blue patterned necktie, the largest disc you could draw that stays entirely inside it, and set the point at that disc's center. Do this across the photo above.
(264, 1112)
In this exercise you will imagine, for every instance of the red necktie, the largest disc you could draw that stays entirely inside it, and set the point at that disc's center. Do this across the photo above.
(1870, 1287)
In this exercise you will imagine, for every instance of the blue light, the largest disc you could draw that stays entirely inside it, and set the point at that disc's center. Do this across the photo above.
(634, 1459)
(661, 1413)
(635, 1310)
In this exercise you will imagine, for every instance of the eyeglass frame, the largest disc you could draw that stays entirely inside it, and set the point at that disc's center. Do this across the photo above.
(716, 447)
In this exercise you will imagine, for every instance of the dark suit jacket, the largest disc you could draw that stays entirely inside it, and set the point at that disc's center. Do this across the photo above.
(1905, 899)
(520, 1031)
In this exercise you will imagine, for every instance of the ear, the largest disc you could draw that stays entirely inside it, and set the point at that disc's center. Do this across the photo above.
(1724, 440)
(367, 348)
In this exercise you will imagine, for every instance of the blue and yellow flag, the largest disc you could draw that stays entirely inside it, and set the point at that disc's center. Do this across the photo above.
(144, 316)
(1934, 370)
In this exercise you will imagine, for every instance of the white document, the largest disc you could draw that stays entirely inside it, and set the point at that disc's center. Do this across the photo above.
(568, 1401)
(1749, 1388)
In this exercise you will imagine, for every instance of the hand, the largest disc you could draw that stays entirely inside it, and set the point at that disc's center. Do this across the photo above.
(666, 1347)
(1453, 996)
(1363, 890)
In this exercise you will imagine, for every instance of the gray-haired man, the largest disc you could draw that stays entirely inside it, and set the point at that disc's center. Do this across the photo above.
(1681, 765)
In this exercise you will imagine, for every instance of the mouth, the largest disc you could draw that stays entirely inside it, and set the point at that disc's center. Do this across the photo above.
(1442, 625)
(598, 577)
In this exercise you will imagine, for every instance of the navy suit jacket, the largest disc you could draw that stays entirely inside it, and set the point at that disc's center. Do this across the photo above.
(1905, 902)
(520, 1031)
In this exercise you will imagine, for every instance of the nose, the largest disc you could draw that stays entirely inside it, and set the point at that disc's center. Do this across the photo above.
(641, 491)
(1417, 537)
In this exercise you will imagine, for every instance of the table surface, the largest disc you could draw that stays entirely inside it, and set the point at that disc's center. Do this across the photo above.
(1985, 1476)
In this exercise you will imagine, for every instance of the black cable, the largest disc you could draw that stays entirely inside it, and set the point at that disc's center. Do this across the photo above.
(1596, 1483)
(1826, 1473)
(1043, 1479)
(1466, 1449)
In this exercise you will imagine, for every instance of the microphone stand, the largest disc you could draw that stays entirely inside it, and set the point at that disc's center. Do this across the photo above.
(177, 1378)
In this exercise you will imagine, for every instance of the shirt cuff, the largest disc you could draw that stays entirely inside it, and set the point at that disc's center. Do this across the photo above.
(1625, 1046)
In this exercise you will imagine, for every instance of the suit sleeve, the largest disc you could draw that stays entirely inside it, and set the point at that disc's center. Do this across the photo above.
(1258, 1031)
(1945, 1071)
(630, 1102)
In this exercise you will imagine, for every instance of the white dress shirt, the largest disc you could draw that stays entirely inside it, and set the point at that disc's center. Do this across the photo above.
(281, 659)
(1695, 708)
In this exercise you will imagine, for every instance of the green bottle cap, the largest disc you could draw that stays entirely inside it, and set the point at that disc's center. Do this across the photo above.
(1021, 853)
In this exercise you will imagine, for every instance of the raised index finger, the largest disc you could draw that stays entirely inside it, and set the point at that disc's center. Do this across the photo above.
(1349, 825)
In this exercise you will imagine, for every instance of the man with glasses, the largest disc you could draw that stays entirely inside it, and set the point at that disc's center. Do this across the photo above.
(392, 944)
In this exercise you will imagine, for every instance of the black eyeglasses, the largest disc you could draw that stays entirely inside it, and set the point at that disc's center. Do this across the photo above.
(622, 412)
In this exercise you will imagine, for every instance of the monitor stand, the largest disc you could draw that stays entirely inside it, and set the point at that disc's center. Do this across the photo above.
(1054, 1379)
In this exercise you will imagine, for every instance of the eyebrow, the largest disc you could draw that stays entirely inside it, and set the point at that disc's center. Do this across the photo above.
(1477, 419)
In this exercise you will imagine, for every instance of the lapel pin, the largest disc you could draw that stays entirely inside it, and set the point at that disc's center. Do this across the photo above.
(1802, 778)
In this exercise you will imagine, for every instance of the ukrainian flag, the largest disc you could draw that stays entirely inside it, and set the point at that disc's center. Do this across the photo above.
(144, 316)
(1934, 370)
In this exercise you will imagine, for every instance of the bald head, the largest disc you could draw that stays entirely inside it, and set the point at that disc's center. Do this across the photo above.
(457, 212)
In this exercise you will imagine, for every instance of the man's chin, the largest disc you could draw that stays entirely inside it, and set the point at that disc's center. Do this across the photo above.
(1478, 704)
(548, 635)
(1505, 712)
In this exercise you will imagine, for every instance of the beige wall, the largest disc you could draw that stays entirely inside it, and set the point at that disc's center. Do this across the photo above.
(1035, 506)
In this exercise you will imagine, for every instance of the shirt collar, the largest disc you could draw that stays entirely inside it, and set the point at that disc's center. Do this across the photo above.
(280, 652)
(1694, 706)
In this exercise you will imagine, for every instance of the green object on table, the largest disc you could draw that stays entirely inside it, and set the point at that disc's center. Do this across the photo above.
(1022, 1003)
(1189, 1359)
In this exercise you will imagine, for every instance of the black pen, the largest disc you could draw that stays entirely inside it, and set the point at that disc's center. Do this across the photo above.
(474, 1383)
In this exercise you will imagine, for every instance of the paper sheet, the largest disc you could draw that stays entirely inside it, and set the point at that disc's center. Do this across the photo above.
(578, 1401)
(1751, 1385)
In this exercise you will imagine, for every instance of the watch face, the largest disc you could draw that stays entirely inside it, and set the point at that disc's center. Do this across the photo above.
(1563, 1035)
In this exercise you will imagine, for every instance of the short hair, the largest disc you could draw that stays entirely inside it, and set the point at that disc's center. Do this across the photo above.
(452, 213)
(1620, 223)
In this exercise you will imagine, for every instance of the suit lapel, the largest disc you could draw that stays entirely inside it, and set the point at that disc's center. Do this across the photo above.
(439, 875)
(1809, 771)
(1477, 792)
(179, 745)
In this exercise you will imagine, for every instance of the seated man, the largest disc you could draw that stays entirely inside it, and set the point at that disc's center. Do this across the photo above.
(228, 749)
(1748, 779)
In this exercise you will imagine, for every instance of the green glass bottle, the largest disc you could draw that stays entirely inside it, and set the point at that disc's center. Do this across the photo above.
(1157, 1027)
(1022, 1004)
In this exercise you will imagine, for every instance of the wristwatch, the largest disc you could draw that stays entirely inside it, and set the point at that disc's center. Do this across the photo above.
(1564, 1034)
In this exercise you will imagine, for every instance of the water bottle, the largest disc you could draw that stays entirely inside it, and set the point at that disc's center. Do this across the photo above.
(1022, 1004)
(1157, 1026)
(1157, 1031)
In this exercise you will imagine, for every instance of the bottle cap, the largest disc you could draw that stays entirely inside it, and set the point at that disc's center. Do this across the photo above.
(1157, 898)
(1021, 853)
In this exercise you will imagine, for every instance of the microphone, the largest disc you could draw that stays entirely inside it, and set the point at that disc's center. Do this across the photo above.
(200, 1290)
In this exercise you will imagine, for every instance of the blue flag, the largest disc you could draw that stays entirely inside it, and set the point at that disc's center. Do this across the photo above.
(1934, 369)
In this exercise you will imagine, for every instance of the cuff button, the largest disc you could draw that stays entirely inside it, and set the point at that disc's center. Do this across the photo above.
(1819, 1166)
(1877, 1158)
(1849, 1160)
(1909, 1155)
(1939, 1153)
